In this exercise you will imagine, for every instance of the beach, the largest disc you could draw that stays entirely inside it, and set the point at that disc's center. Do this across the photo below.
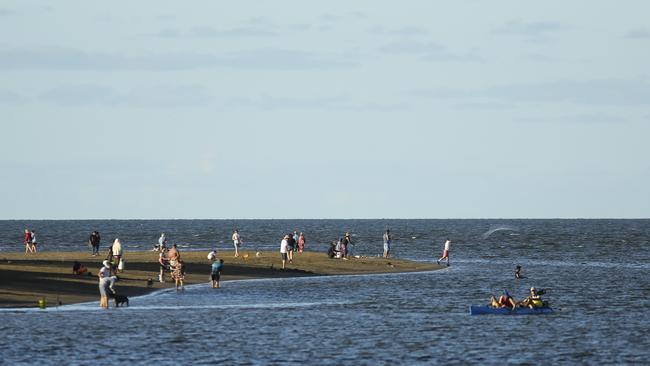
(27, 278)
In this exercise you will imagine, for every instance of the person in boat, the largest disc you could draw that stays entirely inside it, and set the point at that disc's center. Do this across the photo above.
(534, 300)
(504, 301)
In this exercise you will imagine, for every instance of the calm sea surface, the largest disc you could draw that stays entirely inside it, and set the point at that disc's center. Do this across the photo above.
(596, 272)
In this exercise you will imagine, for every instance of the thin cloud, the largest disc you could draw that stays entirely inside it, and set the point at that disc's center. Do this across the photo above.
(98, 95)
(533, 31)
(428, 51)
(168, 33)
(9, 97)
(601, 92)
(210, 32)
(638, 34)
(402, 32)
(55, 58)
(266, 102)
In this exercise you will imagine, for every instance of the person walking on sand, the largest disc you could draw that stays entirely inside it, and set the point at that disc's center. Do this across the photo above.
(217, 266)
(236, 241)
(291, 246)
(104, 274)
(388, 239)
(445, 252)
(27, 240)
(284, 248)
(301, 242)
(33, 243)
(93, 241)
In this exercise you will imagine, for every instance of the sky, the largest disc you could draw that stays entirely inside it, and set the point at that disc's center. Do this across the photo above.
(331, 109)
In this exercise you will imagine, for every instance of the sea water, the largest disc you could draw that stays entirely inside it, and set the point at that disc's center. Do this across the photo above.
(596, 273)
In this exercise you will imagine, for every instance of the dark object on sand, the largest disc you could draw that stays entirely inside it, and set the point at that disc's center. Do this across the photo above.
(119, 299)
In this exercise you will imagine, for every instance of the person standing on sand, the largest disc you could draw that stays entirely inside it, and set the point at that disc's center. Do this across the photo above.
(347, 240)
(164, 266)
(284, 248)
(301, 242)
(162, 243)
(179, 275)
(94, 242)
(236, 240)
(104, 274)
(174, 255)
(217, 266)
(445, 252)
(388, 239)
(117, 254)
(295, 240)
(27, 240)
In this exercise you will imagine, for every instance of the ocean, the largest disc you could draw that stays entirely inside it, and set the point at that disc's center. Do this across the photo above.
(596, 274)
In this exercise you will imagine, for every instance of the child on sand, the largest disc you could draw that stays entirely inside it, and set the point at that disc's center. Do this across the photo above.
(217, 267)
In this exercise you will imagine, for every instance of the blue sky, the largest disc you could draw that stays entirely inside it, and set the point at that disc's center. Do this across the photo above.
(338, 109)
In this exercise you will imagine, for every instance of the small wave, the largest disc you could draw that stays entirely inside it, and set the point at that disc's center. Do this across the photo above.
(499, 228)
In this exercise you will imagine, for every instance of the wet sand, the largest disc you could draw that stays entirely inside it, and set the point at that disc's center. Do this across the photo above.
(24, 279)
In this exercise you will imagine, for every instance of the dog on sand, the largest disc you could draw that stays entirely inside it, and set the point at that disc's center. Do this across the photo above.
(119, 299)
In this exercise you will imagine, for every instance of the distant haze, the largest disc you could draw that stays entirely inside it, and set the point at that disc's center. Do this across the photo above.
(337, 109)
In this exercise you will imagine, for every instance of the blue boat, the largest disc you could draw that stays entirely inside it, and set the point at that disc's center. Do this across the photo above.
(484, 309)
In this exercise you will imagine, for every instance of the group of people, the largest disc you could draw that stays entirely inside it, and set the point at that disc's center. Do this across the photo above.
(341, 248)
(29, 239)
(290, 244)
(170, 262)
(532, 301)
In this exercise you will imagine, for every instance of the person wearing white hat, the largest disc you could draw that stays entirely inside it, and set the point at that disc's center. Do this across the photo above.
(103, 275)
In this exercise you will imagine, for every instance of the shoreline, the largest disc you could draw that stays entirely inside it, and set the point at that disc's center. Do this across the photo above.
(27, 278)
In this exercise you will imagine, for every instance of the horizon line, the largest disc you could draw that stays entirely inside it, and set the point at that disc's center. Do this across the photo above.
(332, 218)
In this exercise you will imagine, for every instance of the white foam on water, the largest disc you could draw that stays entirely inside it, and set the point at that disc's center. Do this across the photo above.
(94, 307)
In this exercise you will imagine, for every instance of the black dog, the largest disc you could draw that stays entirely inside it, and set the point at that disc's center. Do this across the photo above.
(119, 299)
